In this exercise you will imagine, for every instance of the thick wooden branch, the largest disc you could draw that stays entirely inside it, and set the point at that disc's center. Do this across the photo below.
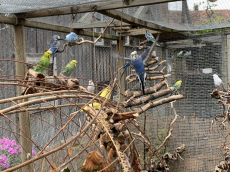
(117, 117)
(150, 90)
(48, 82)
(159, 102)
(150, 78)
(154, 72)
(151, 62)
(147, 98)
(155, 67)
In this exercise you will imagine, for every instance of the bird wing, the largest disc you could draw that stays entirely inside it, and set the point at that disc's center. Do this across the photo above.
(66, 71)
(125, 67)
(128, 59)
(222, 85)
(144, 55)
(37, 67)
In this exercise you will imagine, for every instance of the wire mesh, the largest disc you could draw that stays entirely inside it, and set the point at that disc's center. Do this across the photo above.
(195, 128)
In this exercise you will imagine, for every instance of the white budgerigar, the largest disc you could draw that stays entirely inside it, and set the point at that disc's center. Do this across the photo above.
(218, 83)
(91, 87)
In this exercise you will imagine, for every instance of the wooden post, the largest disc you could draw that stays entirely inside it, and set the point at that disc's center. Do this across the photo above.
(24, 117)
(228, 57)
(121, 81)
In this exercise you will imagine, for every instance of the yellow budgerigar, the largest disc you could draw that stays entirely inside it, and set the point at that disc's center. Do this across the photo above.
(105, 94)
(43, 63)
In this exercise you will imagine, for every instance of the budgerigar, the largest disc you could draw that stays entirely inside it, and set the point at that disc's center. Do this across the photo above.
(150, 37)
(180, 54)
(44, 62)
(55, 44)
(71, 38)
(137, 62)
(176, 86)
(91, 87)
(105, 94)
(69, 68)
(218, 83)
(188, 53)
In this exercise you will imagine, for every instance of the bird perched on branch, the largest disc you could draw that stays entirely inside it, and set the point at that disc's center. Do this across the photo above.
(43, 63)
(218, 83)
(91, 87)
(150, 37)
(188, 53)
(55, 44)
(69, 68)
(105, 93)
(137, 62)
(176, 87)
(71, 38)
(180, 54)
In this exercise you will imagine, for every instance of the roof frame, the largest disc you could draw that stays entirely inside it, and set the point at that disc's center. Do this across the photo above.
(52, 27)
(116, 14)
(92, 7)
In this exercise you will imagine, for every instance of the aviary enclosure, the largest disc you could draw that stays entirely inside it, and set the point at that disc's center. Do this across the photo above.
(89, 117)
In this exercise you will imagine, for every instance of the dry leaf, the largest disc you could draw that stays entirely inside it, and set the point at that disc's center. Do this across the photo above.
(95, 157)
(91, 162)
(111, 154)
(135, 164)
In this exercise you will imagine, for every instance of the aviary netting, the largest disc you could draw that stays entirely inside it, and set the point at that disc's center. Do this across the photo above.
(104, 140)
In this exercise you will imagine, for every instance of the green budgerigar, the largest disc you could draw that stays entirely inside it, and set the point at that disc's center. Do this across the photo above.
(176, 86)
(43, 63)
(69, 68)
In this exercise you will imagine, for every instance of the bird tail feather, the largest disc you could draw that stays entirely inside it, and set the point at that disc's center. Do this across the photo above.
(172, 92)
(143, 87)
(223, 88)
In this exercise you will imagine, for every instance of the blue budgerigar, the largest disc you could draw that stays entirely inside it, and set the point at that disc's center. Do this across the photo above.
(138, 63)
(71, 38)
(55, 44)
(188, 53)
(150, 37)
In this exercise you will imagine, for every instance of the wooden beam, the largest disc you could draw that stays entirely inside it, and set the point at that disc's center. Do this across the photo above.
(134, 32)
(52, 27)
(121, 63)
(228, 57)
(24, 117)
(90, 7)
(116, 14)
(99, 25)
